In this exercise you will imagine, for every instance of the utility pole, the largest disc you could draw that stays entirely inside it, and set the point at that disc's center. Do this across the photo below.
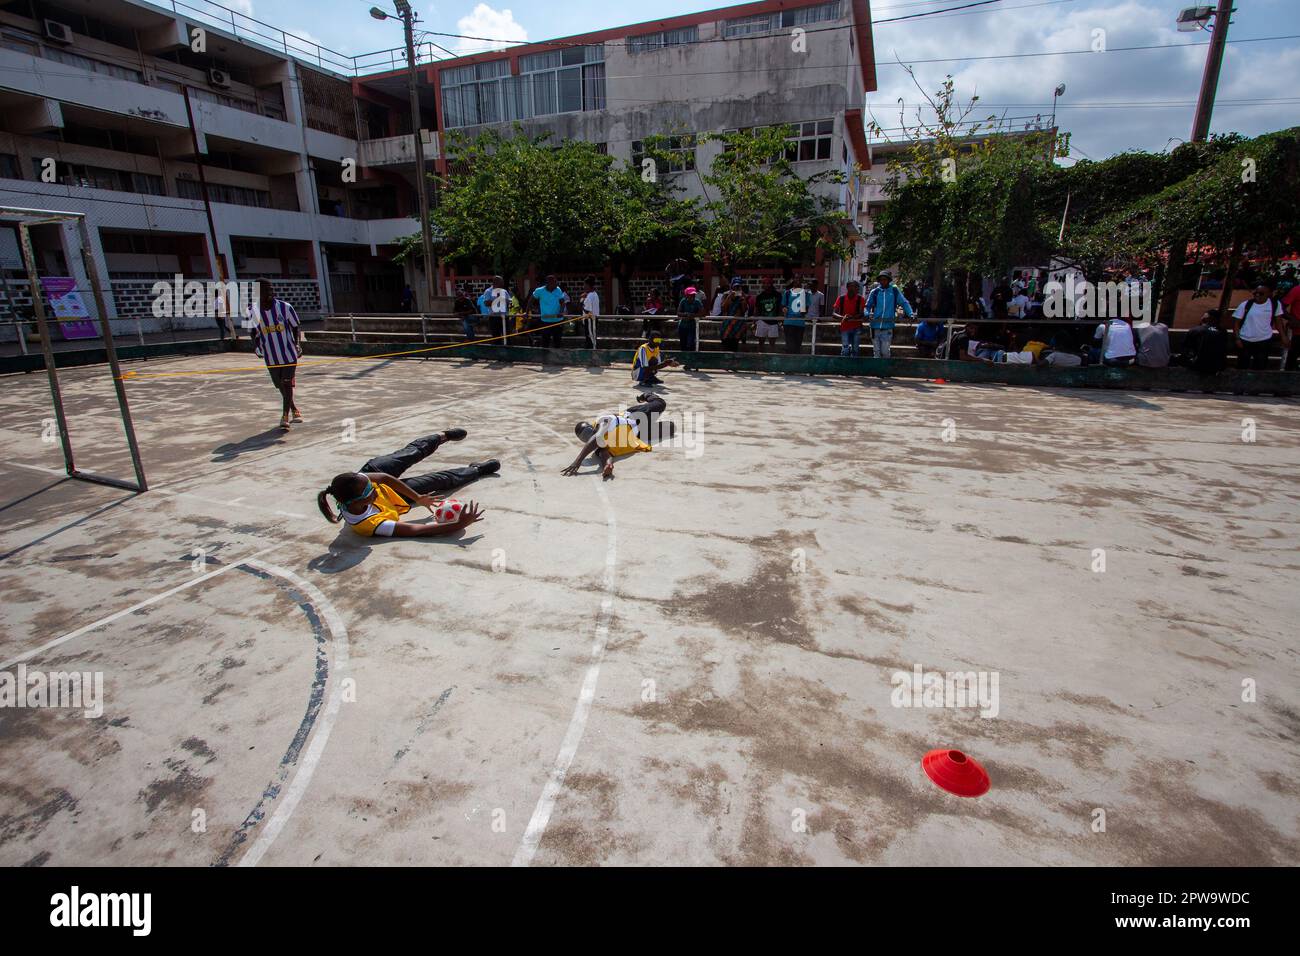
(1210, 78)
(1200, 133)
(421, 180)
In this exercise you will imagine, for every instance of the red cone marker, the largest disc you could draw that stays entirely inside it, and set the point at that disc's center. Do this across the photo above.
(953, 771)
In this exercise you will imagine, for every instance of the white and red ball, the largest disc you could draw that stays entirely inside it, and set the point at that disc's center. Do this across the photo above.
(448, 512)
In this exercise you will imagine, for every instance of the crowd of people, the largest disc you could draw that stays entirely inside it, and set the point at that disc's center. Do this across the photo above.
(1009, 324)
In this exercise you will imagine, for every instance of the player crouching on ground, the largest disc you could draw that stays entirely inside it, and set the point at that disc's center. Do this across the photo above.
(647, 362)
(614, 435)
(372, 501)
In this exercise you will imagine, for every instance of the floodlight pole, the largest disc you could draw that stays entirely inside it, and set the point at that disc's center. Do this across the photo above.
(1167, 308)
(421, 180)
(1210, 78)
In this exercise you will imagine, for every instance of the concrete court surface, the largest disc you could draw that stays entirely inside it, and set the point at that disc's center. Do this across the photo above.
(690, 664)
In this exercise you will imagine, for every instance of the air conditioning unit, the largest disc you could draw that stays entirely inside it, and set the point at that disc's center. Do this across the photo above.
(58, 32)
(219, 78)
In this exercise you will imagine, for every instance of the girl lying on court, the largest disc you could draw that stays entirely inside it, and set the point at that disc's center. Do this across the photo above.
(372, 501)
(614, 435)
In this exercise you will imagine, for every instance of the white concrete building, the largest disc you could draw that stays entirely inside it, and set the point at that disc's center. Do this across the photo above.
(108, 107)
(95, 120)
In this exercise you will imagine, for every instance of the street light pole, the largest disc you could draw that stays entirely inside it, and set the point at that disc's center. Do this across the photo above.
(421, 180)
(1210, 78)
(1193, 19)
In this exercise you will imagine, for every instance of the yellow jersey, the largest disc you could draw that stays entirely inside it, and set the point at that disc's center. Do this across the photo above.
(382, 515)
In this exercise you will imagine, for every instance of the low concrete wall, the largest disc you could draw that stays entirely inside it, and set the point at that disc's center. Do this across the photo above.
(1096, 376)
(1130, 379)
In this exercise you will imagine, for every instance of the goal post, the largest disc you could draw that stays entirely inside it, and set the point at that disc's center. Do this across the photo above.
(23, 220)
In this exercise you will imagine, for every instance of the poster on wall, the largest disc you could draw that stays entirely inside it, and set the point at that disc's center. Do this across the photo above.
(68, 307)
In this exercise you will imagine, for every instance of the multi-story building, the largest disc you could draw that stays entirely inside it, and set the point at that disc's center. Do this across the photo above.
(130, 112)
(802, 63)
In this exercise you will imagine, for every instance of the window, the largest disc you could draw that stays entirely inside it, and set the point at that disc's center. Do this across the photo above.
(771, 22)
(94, 66)
(560, 81)
(680, 150)
(807, 141)
(649, 42)
(218, 192)
(99, 177)
(9, 167)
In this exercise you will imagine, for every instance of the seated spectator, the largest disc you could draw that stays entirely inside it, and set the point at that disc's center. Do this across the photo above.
(1153, 345)
(1059, 359)
(1117, 348)
(928, 336)
(1205, 349)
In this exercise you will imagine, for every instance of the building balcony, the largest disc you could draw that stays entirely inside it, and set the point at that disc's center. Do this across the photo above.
(398, 150)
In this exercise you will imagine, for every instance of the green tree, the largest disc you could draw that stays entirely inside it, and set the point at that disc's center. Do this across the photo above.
(758, 208)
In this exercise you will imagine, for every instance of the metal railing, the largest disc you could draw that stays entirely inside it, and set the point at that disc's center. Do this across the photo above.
(246, 27)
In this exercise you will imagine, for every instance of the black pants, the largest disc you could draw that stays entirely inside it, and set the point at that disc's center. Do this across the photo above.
(794, 339)
(1293, 354)
(552, 335)
(731, 345)
(415, 452)
(651, 408)
(1253, 355)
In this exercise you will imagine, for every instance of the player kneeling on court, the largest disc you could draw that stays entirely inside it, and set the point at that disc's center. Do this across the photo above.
(372, 501)
(613, 435)
(647, 362)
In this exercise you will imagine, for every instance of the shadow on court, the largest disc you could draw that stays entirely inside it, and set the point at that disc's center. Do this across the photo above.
(348, 550)
(232, 450)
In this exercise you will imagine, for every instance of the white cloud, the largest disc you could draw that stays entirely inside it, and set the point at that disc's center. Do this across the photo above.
(1101, 106)
(240, 6)
(498, 26)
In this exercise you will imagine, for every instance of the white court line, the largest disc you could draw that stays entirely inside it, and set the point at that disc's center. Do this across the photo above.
(532, 837)
(339, 663)
(28, 655)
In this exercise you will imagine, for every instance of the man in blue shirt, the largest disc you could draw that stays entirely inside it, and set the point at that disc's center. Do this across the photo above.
(550, 299)
(794, 300)
(883, 303)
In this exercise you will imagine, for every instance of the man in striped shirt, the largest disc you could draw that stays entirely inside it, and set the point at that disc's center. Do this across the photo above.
(276, 336)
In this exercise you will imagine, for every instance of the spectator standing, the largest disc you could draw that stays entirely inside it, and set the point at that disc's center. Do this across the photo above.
(1255, 320)
(767, 309)
(590, 310)
(794, 301)
(550, 299)
(408, 299)
(999, 299)
(883, 303)
(736, 310)
(463, 306)
(689, 310)
(1291, 322)
(850, 309)
(1018, 307)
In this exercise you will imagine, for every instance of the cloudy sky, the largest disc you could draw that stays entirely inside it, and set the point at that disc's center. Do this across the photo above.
(1114, 100)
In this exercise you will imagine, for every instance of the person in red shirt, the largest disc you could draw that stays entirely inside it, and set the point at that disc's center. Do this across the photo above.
(848, 309)
(1291, 329)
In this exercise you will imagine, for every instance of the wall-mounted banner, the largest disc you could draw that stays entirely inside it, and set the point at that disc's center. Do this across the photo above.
(69, 308)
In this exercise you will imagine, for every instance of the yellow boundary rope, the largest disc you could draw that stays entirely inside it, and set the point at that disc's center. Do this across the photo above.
(136, 376)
